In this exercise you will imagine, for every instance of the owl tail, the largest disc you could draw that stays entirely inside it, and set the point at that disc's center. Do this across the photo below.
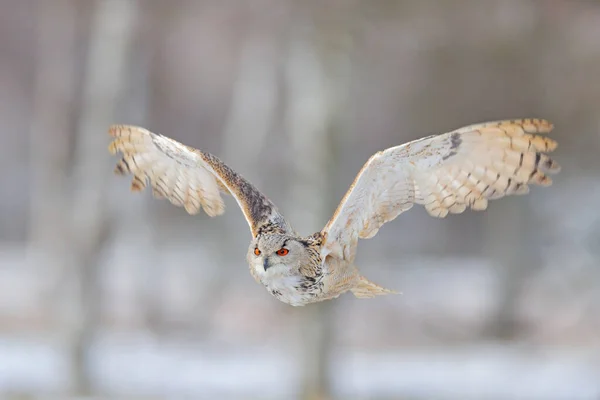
(365, 289)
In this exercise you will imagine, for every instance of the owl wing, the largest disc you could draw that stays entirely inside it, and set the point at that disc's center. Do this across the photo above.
(446, 173)
(188, 177)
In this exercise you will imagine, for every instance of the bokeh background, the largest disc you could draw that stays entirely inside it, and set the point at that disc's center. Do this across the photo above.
(110, 294)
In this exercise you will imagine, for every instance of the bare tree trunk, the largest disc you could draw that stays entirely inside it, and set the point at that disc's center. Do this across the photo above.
(508, 243)
(254, 102)
(307, 122)
(316, 82)
(138, 221)
(113, 26)
(248, 124)
(51, 132)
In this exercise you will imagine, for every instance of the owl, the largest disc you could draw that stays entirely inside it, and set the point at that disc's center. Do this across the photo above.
(445, 173)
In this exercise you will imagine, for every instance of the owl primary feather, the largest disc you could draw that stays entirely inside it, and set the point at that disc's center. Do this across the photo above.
(445, 173)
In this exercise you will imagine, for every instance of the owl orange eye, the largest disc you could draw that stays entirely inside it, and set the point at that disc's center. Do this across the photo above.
(256, 251)
(282, 252)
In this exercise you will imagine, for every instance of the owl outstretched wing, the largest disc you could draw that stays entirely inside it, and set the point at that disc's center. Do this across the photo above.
(446, 173)
(188, 177)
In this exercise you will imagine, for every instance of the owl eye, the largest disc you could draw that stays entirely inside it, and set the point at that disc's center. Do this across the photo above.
(256, 251)
(282, 252)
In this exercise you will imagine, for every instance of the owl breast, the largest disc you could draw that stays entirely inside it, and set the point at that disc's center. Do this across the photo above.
(293, 290)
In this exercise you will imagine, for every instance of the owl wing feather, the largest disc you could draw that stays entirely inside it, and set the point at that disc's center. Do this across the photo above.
(188, 177)
(446, 173)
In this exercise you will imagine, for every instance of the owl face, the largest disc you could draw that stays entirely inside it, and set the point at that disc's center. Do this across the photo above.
(276, 256)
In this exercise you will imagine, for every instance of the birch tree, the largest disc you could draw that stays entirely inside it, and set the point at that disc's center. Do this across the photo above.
(316, 75)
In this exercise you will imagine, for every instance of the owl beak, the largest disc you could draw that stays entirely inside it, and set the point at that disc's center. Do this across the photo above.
(266, 264)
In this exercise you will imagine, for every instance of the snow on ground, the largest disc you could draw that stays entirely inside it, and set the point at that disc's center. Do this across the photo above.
(144, 366)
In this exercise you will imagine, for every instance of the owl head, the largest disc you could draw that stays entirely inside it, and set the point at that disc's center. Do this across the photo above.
(277, 255)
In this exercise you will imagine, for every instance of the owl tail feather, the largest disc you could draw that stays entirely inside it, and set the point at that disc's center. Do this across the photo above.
(365, 289)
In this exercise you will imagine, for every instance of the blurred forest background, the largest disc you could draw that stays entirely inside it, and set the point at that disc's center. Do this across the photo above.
(110, 294)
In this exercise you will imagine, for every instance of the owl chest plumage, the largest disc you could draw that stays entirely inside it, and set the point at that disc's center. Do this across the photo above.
(328, 282)
(296, 290)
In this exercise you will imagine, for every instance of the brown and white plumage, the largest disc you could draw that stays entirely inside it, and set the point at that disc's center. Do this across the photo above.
(188, 177)
(445, 173)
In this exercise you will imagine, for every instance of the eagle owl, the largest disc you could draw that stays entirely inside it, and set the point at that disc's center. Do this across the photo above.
(445, 173)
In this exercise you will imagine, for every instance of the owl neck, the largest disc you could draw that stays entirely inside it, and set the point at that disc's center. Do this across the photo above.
(315, 240)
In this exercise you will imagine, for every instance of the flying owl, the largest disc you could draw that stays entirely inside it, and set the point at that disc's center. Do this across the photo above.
(445, 173)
